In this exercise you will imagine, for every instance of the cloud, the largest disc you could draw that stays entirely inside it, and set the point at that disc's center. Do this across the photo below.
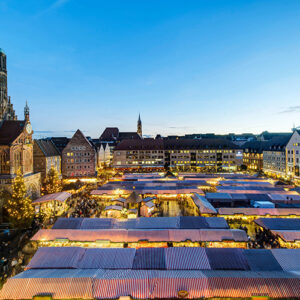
(179, 127)
(291, 109)
(44, 131)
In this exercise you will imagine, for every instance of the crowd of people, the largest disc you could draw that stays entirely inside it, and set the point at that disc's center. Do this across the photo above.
(81, 207)
(264, 239)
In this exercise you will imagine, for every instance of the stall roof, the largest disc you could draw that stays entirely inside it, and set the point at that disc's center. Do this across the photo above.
(289, 259)
(62, 197)
(288, 235)
(246, 183)
(250, 189)
(154, 273)
(203, 205)
(227, 259)
(147, 199)
(142, 223)
(285, 197)
(68, 223)
(124, 236)
(113, 207)
(150, 204)
(95, 223)
(56, 258)
(239, 197)
(261, 260)
(150, 284)
(189, 258)
(218, 197)
(122, 200)
(257, 197)
(251, 211)
(279, 223)
(174, 258)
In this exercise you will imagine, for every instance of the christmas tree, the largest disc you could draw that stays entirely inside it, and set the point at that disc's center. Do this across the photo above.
(19, 206)
(52, 183)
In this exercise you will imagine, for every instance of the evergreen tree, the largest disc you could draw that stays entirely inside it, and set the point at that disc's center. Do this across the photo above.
(19, 207)
(52, 183)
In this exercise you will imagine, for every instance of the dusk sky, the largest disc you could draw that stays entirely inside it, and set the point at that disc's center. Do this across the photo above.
(187, 66)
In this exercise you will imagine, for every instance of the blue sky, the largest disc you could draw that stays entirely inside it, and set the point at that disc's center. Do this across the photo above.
(187, 66)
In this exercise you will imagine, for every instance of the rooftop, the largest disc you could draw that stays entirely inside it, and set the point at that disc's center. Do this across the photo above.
(47, 147)
(10, 130)
(154, 273)
(169, 144)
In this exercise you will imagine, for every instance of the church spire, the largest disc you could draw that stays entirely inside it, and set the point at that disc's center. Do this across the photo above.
(26, 111)
(6, 108)
(139, 126)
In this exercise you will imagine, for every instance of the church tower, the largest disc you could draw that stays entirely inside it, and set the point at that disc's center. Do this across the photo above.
(6, 108)
(26, 112)
(139, 127)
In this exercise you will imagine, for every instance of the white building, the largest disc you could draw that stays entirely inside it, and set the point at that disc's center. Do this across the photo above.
(293, 156)
(105, 154)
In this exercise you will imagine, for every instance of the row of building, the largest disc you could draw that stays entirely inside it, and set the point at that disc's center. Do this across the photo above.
(279, 157)
(81, 155)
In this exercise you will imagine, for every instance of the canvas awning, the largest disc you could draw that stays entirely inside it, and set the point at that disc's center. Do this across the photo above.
(61, 197)
(150, 284)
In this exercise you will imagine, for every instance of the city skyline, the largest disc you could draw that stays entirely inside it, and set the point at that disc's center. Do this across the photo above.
(207, 66)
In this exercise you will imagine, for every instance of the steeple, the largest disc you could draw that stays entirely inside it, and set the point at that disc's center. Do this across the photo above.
(139, 126)
(26, 112)
(6, 108)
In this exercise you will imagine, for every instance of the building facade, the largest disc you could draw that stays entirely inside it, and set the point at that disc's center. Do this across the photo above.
(253, 155)
(140, 153)
(274, 157)
(45, 157)
(293, 156)
(104, 155)
(79, 157)
(182, 154)
(202, 155)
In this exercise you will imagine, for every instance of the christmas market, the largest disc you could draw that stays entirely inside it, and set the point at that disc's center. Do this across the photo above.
(149, 150)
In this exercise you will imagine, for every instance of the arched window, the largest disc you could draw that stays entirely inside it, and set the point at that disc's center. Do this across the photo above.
(4, 164)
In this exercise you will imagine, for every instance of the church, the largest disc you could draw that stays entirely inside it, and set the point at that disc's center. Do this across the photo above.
(16, 143)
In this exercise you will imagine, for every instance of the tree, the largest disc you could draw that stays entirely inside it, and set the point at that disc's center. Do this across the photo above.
(52, 183)
(19, 207)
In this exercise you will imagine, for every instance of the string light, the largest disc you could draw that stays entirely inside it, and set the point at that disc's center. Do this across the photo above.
(19, 206)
